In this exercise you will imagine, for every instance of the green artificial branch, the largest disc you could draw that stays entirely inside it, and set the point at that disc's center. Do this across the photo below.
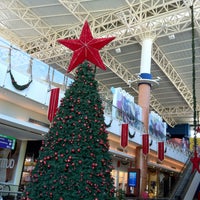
(193, 77)
(108, 125)
(18, 87)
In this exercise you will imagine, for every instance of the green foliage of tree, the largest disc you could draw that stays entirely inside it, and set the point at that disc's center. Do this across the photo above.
(74, 162)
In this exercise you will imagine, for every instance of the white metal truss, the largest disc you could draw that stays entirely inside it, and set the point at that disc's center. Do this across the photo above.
(77, 9)
(113, 24)
(165, 65)
(26, 15)
(9, 35)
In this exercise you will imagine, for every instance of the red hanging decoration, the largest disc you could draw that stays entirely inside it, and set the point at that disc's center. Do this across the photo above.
(198, 129)
(145, 144)
(118, 163)
(124, 135)
(161, 150)
(53, 103)
(195, 161)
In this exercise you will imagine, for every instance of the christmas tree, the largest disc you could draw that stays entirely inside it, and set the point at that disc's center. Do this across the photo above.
(74, 162)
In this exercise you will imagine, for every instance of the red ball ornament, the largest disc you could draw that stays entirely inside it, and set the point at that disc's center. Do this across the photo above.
(91, 154)
(80, 161)
(79, 136)
(73, 150)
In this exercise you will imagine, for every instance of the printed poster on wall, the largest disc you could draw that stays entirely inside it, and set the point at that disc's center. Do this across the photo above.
(156, 126)
(124, 107)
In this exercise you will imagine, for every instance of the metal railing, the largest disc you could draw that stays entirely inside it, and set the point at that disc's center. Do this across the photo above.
(9, 191)
(184, 177)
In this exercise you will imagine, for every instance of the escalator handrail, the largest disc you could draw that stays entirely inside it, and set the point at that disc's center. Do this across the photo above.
(182, 174)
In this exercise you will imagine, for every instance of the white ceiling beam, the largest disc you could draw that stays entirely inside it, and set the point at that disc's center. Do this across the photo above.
(113, 24)
(26, 15)
(77, 9)
(161, 60)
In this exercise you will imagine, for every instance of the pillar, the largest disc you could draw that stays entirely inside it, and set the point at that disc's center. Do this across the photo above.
(144, 87)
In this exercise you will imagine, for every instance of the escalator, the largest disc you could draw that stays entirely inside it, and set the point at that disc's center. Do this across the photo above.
(187, 184)
(192, 187)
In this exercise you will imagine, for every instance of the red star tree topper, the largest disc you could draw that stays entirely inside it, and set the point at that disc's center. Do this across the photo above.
(85, 48)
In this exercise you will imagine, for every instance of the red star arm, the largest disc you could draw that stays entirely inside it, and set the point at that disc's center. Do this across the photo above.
(94, 57)
(72, 44)
(100, 43)
(86, 34)
(77, 58)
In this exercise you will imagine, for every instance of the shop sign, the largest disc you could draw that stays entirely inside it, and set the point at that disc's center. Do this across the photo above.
(7, 142)
(7, 163)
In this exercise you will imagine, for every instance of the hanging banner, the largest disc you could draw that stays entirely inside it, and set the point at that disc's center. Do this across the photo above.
(145, 144)
(53, 103)
(124, 135)
(161, 151)
(118, 163)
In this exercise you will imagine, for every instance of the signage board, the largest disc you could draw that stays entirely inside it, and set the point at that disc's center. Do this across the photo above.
(7, 142)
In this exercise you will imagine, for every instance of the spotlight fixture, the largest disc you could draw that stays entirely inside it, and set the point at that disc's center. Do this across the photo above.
(118, 50)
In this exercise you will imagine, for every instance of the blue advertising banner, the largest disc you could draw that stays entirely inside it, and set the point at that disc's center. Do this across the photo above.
(132, 179)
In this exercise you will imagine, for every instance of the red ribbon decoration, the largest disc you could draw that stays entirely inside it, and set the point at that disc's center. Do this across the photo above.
(145, 144)
(118, 163)
(53, 103)
(124, 135)
(161, 151)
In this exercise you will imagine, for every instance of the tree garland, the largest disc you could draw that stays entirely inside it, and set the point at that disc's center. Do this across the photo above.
(195, 160)
(17, 86)
(194, 78)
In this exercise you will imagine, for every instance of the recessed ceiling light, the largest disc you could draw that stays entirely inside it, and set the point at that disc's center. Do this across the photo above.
(171, 37)
(118, 50)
